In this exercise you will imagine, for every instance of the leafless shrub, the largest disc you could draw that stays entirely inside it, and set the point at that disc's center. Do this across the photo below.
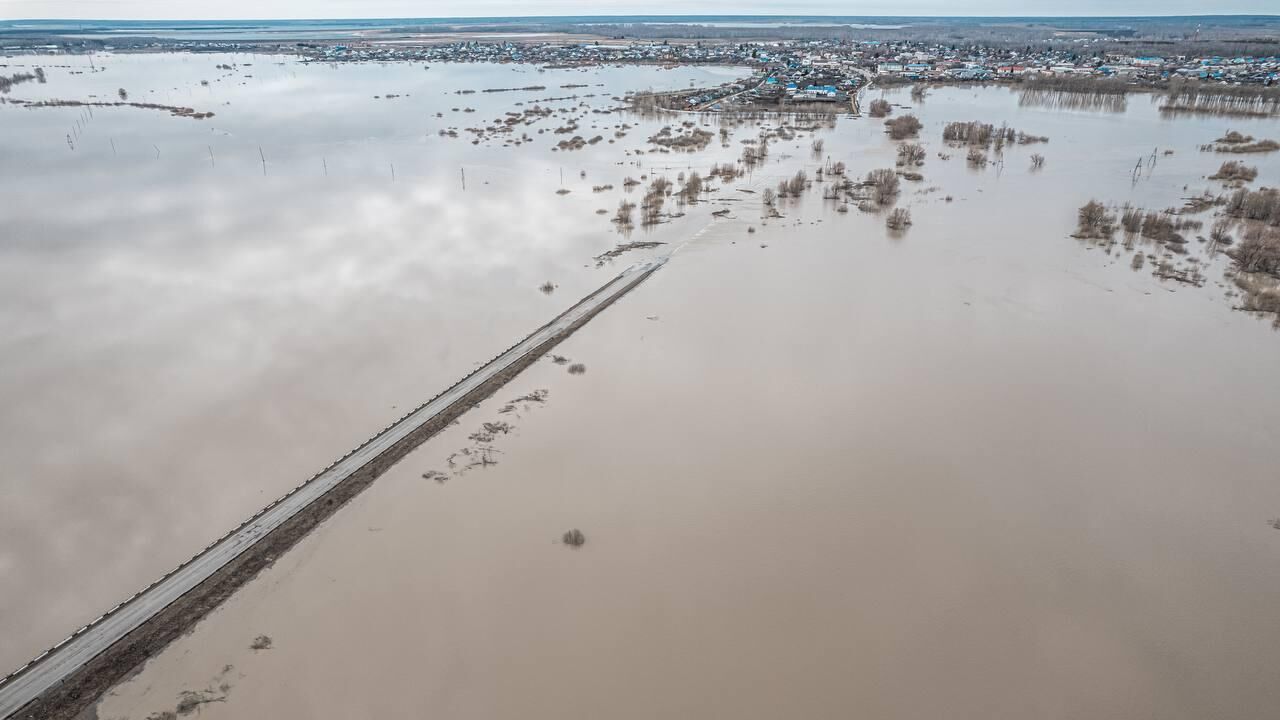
(691, 139)
(1234, 138)
(577, 369)
(124, 94)
(1037, 161)
(899, 219)
(1220, 233)
(1161, 228)
(817, 146)
(1138, 260)
(574, 538)
(879, 108)
(623, 216)
(693, 188)
(976, 157)
(547, 287)
(1243, 147)
(262, 642)
(1095, 221)
(1131, 219)
(1233, 171)
(918, 93)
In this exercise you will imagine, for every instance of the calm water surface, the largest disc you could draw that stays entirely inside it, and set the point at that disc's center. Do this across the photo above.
(978, 469)
(183, 339)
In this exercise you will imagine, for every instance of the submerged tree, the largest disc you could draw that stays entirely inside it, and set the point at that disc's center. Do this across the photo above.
(1094, 221)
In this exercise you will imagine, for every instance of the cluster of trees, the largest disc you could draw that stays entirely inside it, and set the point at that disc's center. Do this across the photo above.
(8, 81)
(901, 128)
(1262, 205)
(910, 155)
(793, 186)
(655, 197)
(692, 138)
(980, 134)
(879, 108)
(1184, 95)
(755, 152)
(884, 185)
(1258, 252)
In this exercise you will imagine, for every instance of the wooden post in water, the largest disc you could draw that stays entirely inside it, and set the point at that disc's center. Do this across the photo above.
(264, 161)
(211, 162)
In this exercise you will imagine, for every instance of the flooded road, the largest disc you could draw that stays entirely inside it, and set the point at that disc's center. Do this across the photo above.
(183, 339)
(977, 469)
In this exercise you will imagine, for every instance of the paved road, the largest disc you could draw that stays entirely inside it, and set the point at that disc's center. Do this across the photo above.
(46, 671)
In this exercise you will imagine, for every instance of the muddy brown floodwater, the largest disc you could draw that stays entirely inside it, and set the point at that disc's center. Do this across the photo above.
(184, 338)
(976, 469)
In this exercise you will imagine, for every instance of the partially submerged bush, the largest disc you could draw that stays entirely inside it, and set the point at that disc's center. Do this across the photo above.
(1131, 220)
(574, 538)
(879, 108)
(899, 219)
(901, 128)
(1095, 221)
(1234, 171)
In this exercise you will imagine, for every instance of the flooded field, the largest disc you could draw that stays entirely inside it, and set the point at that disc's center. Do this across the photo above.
(183, 339)
(974, 467)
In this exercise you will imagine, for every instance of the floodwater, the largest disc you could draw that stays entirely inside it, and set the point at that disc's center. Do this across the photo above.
(978, 469)
(198, 315)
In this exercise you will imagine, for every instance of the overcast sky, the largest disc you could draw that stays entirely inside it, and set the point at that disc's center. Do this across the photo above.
(253, 9)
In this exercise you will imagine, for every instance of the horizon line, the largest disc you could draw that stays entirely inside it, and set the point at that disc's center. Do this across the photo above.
(635, 16)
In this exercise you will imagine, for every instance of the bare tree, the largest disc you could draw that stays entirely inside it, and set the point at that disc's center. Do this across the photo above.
(899, 219)
(884, 184)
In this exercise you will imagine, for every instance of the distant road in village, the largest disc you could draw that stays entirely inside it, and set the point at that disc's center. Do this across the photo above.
(57, 665)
